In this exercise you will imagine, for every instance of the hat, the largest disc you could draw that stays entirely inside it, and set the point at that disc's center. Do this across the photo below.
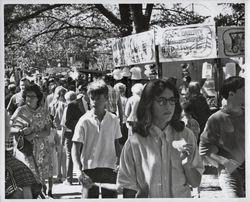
(117, 74)
(136, 73)
(125, 72)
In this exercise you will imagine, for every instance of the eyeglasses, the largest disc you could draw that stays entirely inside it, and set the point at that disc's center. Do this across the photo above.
(163, 101)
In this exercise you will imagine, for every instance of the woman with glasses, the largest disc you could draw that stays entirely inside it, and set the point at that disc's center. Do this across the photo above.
(161, 158)
(32, 121)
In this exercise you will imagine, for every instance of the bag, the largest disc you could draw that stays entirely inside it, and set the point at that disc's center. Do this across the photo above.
(24, 146)
(12, 191)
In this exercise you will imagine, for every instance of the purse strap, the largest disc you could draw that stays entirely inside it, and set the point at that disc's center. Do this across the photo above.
(13, 181)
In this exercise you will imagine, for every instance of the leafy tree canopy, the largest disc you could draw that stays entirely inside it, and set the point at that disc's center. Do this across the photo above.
(42, 35)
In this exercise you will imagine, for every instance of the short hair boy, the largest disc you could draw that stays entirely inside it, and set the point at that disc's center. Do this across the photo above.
(97, 132)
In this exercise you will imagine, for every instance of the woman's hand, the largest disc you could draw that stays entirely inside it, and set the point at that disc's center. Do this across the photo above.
(185, 153)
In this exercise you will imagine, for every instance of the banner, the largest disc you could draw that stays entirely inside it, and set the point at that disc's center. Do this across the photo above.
(118, 52)
(231, 41)
(140, 48)
(191, 42)
(134, 49)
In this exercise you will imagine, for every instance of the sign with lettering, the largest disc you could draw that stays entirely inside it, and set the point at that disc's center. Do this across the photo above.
(118, 47)
(140, 48)
(134, 49)
(191, 42)
(231, 41)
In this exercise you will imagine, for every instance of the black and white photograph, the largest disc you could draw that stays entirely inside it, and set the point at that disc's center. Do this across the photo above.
(124, 100)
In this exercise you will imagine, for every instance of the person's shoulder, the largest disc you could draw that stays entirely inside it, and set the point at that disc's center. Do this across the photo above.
(87, 117)
(217, 115)
(110, 115)
(50, 96)
(16, 95)
(21, 109)
(74, 103)
(193, 121)
(89, 114)
(187, 133)
(134, 139)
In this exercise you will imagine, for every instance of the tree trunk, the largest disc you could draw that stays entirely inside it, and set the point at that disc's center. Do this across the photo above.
(141, 22)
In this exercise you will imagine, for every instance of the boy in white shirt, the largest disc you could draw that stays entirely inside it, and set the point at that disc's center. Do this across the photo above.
(96, 148)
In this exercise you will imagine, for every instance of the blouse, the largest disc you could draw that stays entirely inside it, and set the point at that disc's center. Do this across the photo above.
(153, 161)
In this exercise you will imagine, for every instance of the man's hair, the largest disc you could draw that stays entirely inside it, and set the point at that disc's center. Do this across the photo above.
(120, 87)
(231, 84)
(97, 87)
(194, 87)
(70, 95)
(137, 88)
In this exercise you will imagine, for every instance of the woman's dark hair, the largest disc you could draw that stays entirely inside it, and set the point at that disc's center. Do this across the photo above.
(231, 84)
(36, 89)
(144, 111)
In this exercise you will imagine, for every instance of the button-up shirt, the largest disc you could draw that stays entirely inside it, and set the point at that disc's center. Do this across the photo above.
(98, 139)
(152, 161)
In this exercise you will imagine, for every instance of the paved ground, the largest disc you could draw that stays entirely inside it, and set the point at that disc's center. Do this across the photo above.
(209, 188)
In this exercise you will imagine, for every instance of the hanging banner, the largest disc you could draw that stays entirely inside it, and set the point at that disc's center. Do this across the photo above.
(191, 42)
(140, 48)
(118, 52)
(134, 49)
(231, 41)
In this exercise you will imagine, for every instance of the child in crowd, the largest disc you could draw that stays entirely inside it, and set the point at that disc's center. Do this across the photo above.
(96, 148)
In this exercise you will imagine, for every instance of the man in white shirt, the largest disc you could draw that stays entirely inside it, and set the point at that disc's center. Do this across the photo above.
(96, 149)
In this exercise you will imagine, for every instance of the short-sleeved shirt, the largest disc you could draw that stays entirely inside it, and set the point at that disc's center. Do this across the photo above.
(153, 161)
(98, 139)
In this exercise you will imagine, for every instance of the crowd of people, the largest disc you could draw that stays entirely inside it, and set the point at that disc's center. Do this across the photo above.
(154, 143)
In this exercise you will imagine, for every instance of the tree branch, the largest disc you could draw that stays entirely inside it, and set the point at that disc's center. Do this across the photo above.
(32, 15)
(108, 15)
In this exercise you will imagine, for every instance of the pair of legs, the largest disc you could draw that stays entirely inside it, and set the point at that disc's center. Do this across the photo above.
(69, 162)
(101, 175)
(61, 157)
(50, 183)
(233, 184)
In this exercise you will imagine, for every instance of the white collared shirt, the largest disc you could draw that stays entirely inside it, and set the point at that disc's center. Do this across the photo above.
(98, 139)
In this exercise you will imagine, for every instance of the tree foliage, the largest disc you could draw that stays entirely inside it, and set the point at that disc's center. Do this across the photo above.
(235, 18)
(44, 35)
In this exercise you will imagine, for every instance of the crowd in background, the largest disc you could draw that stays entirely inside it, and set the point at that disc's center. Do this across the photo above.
(58, 116)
